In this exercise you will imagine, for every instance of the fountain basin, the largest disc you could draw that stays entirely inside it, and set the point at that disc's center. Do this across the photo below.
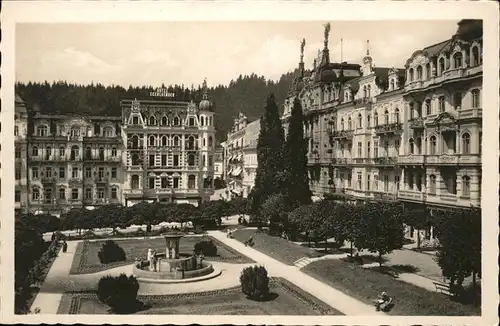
(186, 266)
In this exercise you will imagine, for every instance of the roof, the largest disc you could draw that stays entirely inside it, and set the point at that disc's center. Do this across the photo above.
(252, 131)
(437, 48)
(20, 106)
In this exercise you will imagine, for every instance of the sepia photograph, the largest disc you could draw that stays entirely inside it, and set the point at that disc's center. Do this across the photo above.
(229, 168)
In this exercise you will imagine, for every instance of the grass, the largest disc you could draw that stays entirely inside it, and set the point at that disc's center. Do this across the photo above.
(285, 299)
(365, 284)
(275, 247)
(87, 261)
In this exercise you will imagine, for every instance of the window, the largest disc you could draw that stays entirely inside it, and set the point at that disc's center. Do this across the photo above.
(191, 182)
(35, 195)
(457, 101)
(34, 172)
(432, 145)
(475, 56)
(176, 160)
(62, 193)
(164, 121)
(62, 172)
(419, 73)
(476, 99)
(135, 120)
(134, 182)
(34, 151)
(114, 193)
(42, 131)
(365, 94)
(135, 159)
(386, 117)
(410, 77)
(88, 193)
(114, 152)
(88, 172)
(210, 142)
(17, 196)
(441, 104)
(175, 181)
(386, 183)
(62, 152)
(176, 121)
(74, 172)
(100, 193)
(48, 172)
(108, 132)
(101, 153)
(152, 121)
(191, 122)
(368, 148)
(17, 152)
(74, 153)
(465, 143)
(74, 194)
(17, 173)
(151, 182)
(441, 66)
(368, 182)
(396, 181)
(164, 182)
(369, 91)
(360, 149)
(114, 173)
(176, 142)
(375, 119)
(210, 161)
(164, 141)
(151, 160)
(368, 121)
(396, 146)
(360, 180)
(16, 131)
(342, 124)
(480, 142)
(466, 186)
(151, 141)
(412, 146)
(203, 160)
(349, 124)
(88, 153)
(457, 60)
(360, 121)
(432, 186)
(375, 149)
(100, 173)
(396, 115)
(191, 160)
(428, 71)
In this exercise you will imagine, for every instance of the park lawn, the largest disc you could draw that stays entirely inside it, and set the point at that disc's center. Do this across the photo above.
(365, 284)
(278, 248)
(286, 299)
(86, 259)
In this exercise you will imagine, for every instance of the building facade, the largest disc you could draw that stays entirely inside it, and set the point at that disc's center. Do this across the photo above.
(219, 163)
(235, 157)
(250, 162)
(20, 155)
(169, 151)
(409, 134)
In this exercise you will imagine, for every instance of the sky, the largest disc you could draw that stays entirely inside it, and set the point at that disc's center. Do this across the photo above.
(187, 52)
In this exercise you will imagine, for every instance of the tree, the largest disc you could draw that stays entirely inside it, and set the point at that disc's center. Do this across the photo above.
(269, 175)
(295, 153)
(331, 222)
(383, 228)
(275, 212)
(418, 219)
(119, 292)
(459, 253)
(255, 282)
(298, 220)
(351, 221)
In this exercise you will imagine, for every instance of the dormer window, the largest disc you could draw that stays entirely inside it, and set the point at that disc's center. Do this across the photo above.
(475, 56)
(457, 60)
(369, 89)
(164, 121)
(392, 85)
(410, 77)
(441, 66)
(135, 120)
(191, 122)
(428, 71)
(419, 73)
(42, 131)
(108, 132)
(152, 121)
(176, 121)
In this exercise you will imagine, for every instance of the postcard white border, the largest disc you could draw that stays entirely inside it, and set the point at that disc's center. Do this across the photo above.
(120, 11)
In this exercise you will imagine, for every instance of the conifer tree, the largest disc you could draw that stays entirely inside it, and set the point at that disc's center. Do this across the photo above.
(269, 175)
(295, 153)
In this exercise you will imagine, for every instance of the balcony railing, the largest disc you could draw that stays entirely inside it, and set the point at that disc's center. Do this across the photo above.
(448, 75)
(417, 123)
(341, 134)
(103, 179)
(411, 159)
(387, 160)
(48, 179)
(388, 128)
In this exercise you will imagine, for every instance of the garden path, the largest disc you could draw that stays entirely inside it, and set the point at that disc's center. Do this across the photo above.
(322, 291)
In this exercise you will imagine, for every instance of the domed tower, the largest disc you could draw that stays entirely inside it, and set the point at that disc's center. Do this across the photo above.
(207, 135)
(367, 61)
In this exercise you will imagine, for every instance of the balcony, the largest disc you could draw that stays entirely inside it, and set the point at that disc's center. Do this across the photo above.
(102, 179)
(75, 138)
(75, 182)
(387, 160)
(384, 196)
(48, 179)
(411, 159)
(471, 114)
(192, 168)
(447, 76)
(341, 134)
(416, 123)
(412, 195)
(136, 168)
(388, 129)
(102, 139)
(191, 147)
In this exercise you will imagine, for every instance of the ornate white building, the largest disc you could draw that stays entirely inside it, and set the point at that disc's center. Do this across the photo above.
(20, 155)
(169, 150)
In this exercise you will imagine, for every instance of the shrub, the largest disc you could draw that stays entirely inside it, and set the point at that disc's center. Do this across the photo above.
(111, 252)
(119, 292)
(148, 228)
(255, 282)
(206, 247)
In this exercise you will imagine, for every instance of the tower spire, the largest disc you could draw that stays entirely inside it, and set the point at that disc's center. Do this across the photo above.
(367, 47)
(205, 89)
(326, 53)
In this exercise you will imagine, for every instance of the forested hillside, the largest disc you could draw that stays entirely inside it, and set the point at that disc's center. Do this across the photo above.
(246, 94)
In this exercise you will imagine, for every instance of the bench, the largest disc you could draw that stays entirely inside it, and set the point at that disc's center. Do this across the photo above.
(442, 288)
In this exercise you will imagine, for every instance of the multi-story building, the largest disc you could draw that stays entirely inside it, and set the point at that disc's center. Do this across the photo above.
(169, 150)
(73, 161)
(235, 157)
(250, 162)
(20, 155)
(441, 156)
(219, 163)
(412, 134)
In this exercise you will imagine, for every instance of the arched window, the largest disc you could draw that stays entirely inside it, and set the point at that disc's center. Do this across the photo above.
(190, 144)
(135, 159)
(134, 182)
(412, 110)
(176, 121)
(204, 142)
(457, 60)
(411, 146)
(42, 130)
(432, 145)
(475, 56)
(202, 120)
(368, 123)
(457, 101)
(108, 132)
(134, 141)
(428, 107)
(191, 160)
(191, 181)
(342, 126)
(176, 141)
(164, 121)
(62, 152)
(360, 121)
(375, 119)
(476, 98)
(428, 71)
(386, 117)
(466, 143)
(164, 140)
(419, 73)
(349, 124)
(88, 153)
(432, 186)
(441, 104)
(152, 121)
(441, 66)
(418, 146)
(151, 141)
(465, 186)
(365, 94)
(410, 77)
(396, 115)
(114, 152)
(74, 153)
(369, 90)
(210, 141)
(101, 153)
(35, 194)
(48, 152)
